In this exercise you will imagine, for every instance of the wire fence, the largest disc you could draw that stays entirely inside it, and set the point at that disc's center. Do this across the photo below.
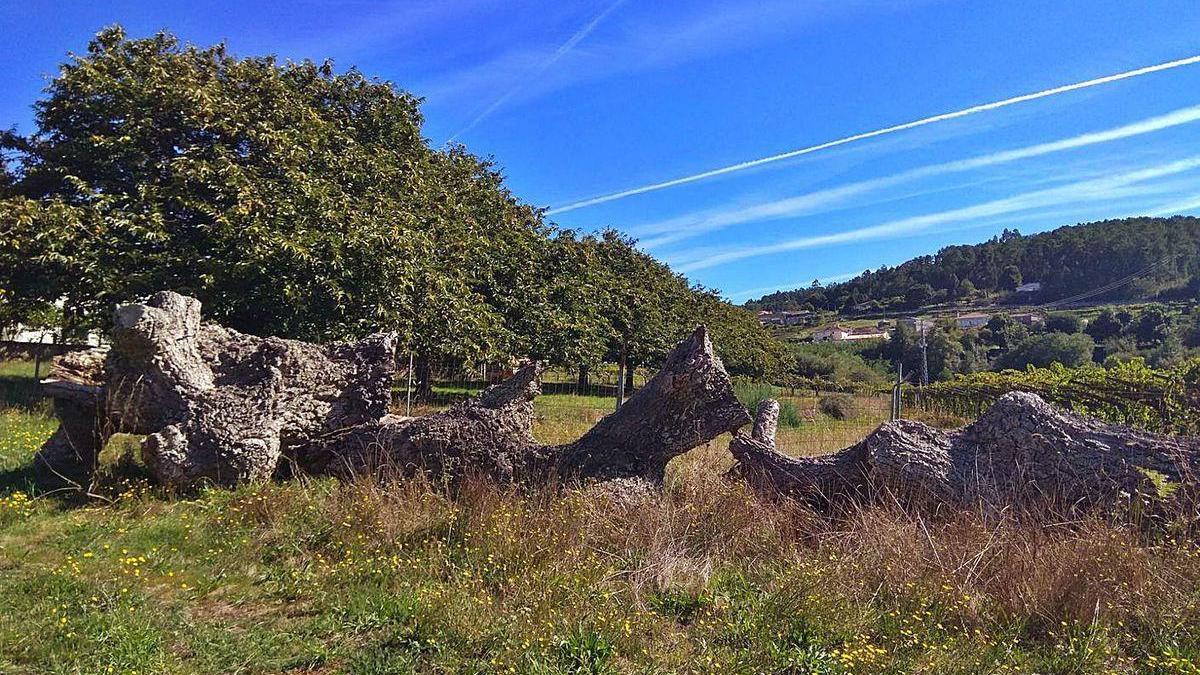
(424, 386)
(814, 420)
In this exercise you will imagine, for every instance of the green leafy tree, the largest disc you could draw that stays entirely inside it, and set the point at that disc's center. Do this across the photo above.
(288, 198)
(296, 200)
(1010, 277)
(1005, 332)
(918, 295)
(945, 355)
(1105, 325)
(1153, 326)
(1040, 351)
(901, 341)
(1191, 332)
(1063, 322)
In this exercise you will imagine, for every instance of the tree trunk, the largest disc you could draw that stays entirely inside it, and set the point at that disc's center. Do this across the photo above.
(629, 370)
(423, 378)
(69, 457)
(621, 382)
(690, 402)
(582, 383)
(217, 405)
(1022, 453)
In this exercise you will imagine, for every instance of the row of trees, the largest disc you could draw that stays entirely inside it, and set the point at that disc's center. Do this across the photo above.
(1164, 253)
(301, 202)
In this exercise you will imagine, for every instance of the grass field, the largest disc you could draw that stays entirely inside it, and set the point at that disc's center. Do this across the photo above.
(326, 577)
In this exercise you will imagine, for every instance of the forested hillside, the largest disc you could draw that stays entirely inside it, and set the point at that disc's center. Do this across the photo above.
(1161, 254)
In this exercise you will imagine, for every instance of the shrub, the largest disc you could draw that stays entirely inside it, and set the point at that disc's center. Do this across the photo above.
(1042, 350)
(753, 393)
(1063, 322)
(838, 406)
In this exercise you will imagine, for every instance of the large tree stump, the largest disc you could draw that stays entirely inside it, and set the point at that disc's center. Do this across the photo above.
(219, 406)
(1021, 452)
(688, 403)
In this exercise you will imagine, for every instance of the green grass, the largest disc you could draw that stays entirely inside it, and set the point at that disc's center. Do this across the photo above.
(325, 577)
(22, 369)
(18, 387)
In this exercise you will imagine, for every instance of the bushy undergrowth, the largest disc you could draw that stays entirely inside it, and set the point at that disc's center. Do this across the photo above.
(399, 577)
(753, 393)
(838, 406)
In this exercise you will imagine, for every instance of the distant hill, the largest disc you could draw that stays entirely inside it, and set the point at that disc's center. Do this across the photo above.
(1116, 260)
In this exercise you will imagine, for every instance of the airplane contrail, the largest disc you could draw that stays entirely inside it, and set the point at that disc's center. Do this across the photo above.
(1104, 188)
(543, 67)
(741, 166)
(683, 227)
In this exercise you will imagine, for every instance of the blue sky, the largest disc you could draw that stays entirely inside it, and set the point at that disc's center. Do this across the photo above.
(580, 99)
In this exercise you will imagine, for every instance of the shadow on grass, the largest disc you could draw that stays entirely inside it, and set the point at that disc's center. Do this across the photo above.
(17, 391)
(118, 471)
(19, 479)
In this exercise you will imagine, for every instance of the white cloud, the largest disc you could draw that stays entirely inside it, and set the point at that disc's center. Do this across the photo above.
(541, 68)
(1188, 205)
(643, 40)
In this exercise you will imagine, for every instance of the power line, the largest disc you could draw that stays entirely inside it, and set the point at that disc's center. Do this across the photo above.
(1111, 285)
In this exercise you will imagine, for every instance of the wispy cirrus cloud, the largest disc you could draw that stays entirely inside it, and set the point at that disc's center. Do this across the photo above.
(1187, 205)
(1105, 188)
(661, 233)
(541, 68)
(642, 40)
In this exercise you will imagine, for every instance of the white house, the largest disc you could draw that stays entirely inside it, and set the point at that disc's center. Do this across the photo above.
(917, 323)
(973, 320)
(1031, 287)
(836, 333)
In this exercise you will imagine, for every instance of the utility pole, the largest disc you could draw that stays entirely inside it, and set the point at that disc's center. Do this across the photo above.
(924, 354)
(896, 391)
(408, 389)
(621, 376)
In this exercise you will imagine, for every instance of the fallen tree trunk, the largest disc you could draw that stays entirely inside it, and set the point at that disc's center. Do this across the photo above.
(222, 407)
(214, 404)
(1021, 452)
(688, 403)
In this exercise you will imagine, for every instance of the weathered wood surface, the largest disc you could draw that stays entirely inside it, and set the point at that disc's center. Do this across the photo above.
(688, 403)
(1022, 451)
(215, 405)
(221, 407)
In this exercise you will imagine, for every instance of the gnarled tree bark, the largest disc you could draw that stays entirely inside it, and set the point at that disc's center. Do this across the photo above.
(219, 406)
(1021, 452)
(75, 385)
(216, 405)
(688, 403)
